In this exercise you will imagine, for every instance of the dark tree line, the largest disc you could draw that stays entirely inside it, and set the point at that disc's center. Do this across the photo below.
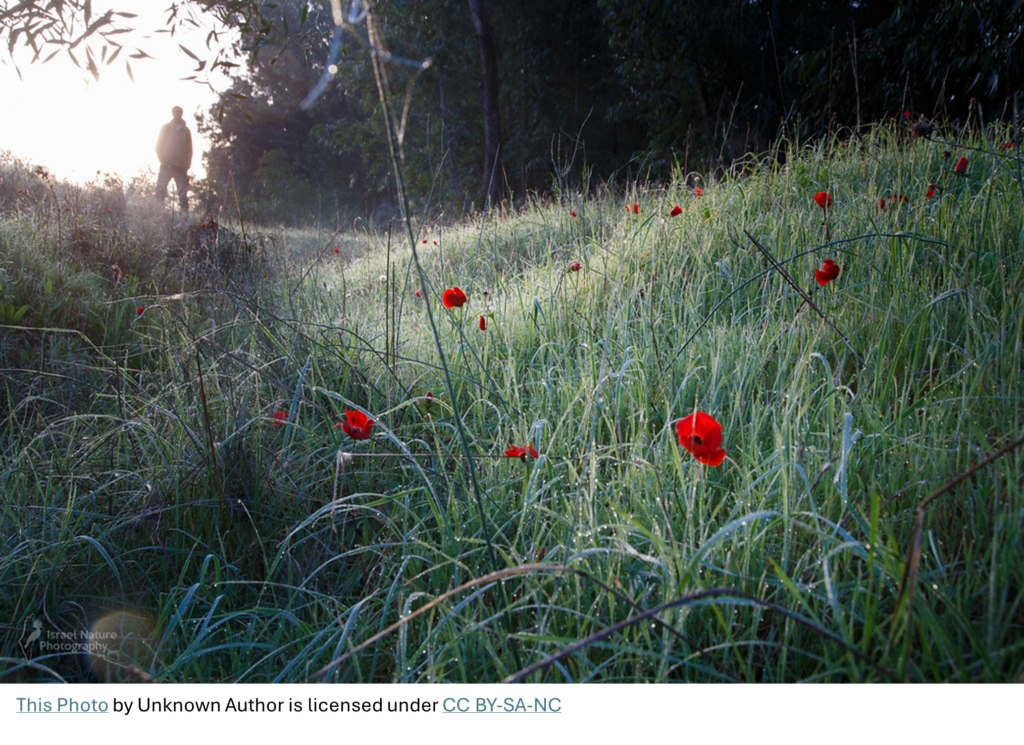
(516, 87)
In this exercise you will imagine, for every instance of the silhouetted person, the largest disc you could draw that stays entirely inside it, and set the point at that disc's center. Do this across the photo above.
(174, 149)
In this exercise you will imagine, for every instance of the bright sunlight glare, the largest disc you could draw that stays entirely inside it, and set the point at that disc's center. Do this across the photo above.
(56, 115)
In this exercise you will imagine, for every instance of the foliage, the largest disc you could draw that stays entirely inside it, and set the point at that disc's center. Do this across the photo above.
(930, 58)
(722, 78)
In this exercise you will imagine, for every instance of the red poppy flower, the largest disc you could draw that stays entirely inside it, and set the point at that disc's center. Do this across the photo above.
(698, 192)
(543, 551)
(573, 213)
(517, 452)
(419, 293)
(881, 204)
(1006, 146)
(945, 155)
(829, 271)
(824, 199)
(931, 191)
(961, 167)
(264, 276)
(335, 250)
(906, 114)
(424, 240)
(677, 210)
(280, 418)
(483, 323)
(358, 425)
(140, 310)
(634, 208)
(453, 298)
(575, 266)
(702, 436)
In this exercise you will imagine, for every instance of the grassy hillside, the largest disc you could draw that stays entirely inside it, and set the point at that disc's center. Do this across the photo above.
(173, 469)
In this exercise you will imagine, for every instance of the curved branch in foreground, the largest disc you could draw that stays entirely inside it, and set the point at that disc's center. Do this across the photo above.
(687, 600)
(651, 614)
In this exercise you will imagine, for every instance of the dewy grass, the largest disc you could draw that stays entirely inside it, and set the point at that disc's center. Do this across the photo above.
(262, 550)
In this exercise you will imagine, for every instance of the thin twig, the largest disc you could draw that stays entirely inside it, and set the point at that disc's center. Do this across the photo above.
(493, 577)
(687, 600)
(807, 298)
(908, 581)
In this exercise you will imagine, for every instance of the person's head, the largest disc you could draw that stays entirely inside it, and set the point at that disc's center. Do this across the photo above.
(176, 112)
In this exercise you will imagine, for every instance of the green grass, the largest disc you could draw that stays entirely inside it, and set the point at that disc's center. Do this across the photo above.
(143, 470)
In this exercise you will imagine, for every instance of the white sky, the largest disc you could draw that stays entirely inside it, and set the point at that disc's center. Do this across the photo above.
(59, 117)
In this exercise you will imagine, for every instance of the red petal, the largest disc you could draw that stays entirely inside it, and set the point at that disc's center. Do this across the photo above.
(352, 432)
(453, 298)
(710, 457)
(358, 425)
(703, 426)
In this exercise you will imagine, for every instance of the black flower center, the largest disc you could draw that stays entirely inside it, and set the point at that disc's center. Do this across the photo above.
(697, 440)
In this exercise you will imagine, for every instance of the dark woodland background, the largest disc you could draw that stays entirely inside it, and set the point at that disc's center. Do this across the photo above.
(531, 96)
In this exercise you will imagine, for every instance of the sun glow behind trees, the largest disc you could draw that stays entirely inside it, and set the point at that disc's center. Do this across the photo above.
(57, 115)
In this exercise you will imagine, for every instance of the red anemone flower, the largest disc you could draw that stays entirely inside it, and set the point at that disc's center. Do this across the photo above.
(961, 167)
(702, 435)
(453, 298)
(677, 210)
(829, 271)
(280, 418)
(483, 323)
(575, 266)
(358, 425)
(824, 199)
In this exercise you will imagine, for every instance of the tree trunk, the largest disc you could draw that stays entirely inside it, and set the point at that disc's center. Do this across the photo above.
(449, 142)
(492, 115)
